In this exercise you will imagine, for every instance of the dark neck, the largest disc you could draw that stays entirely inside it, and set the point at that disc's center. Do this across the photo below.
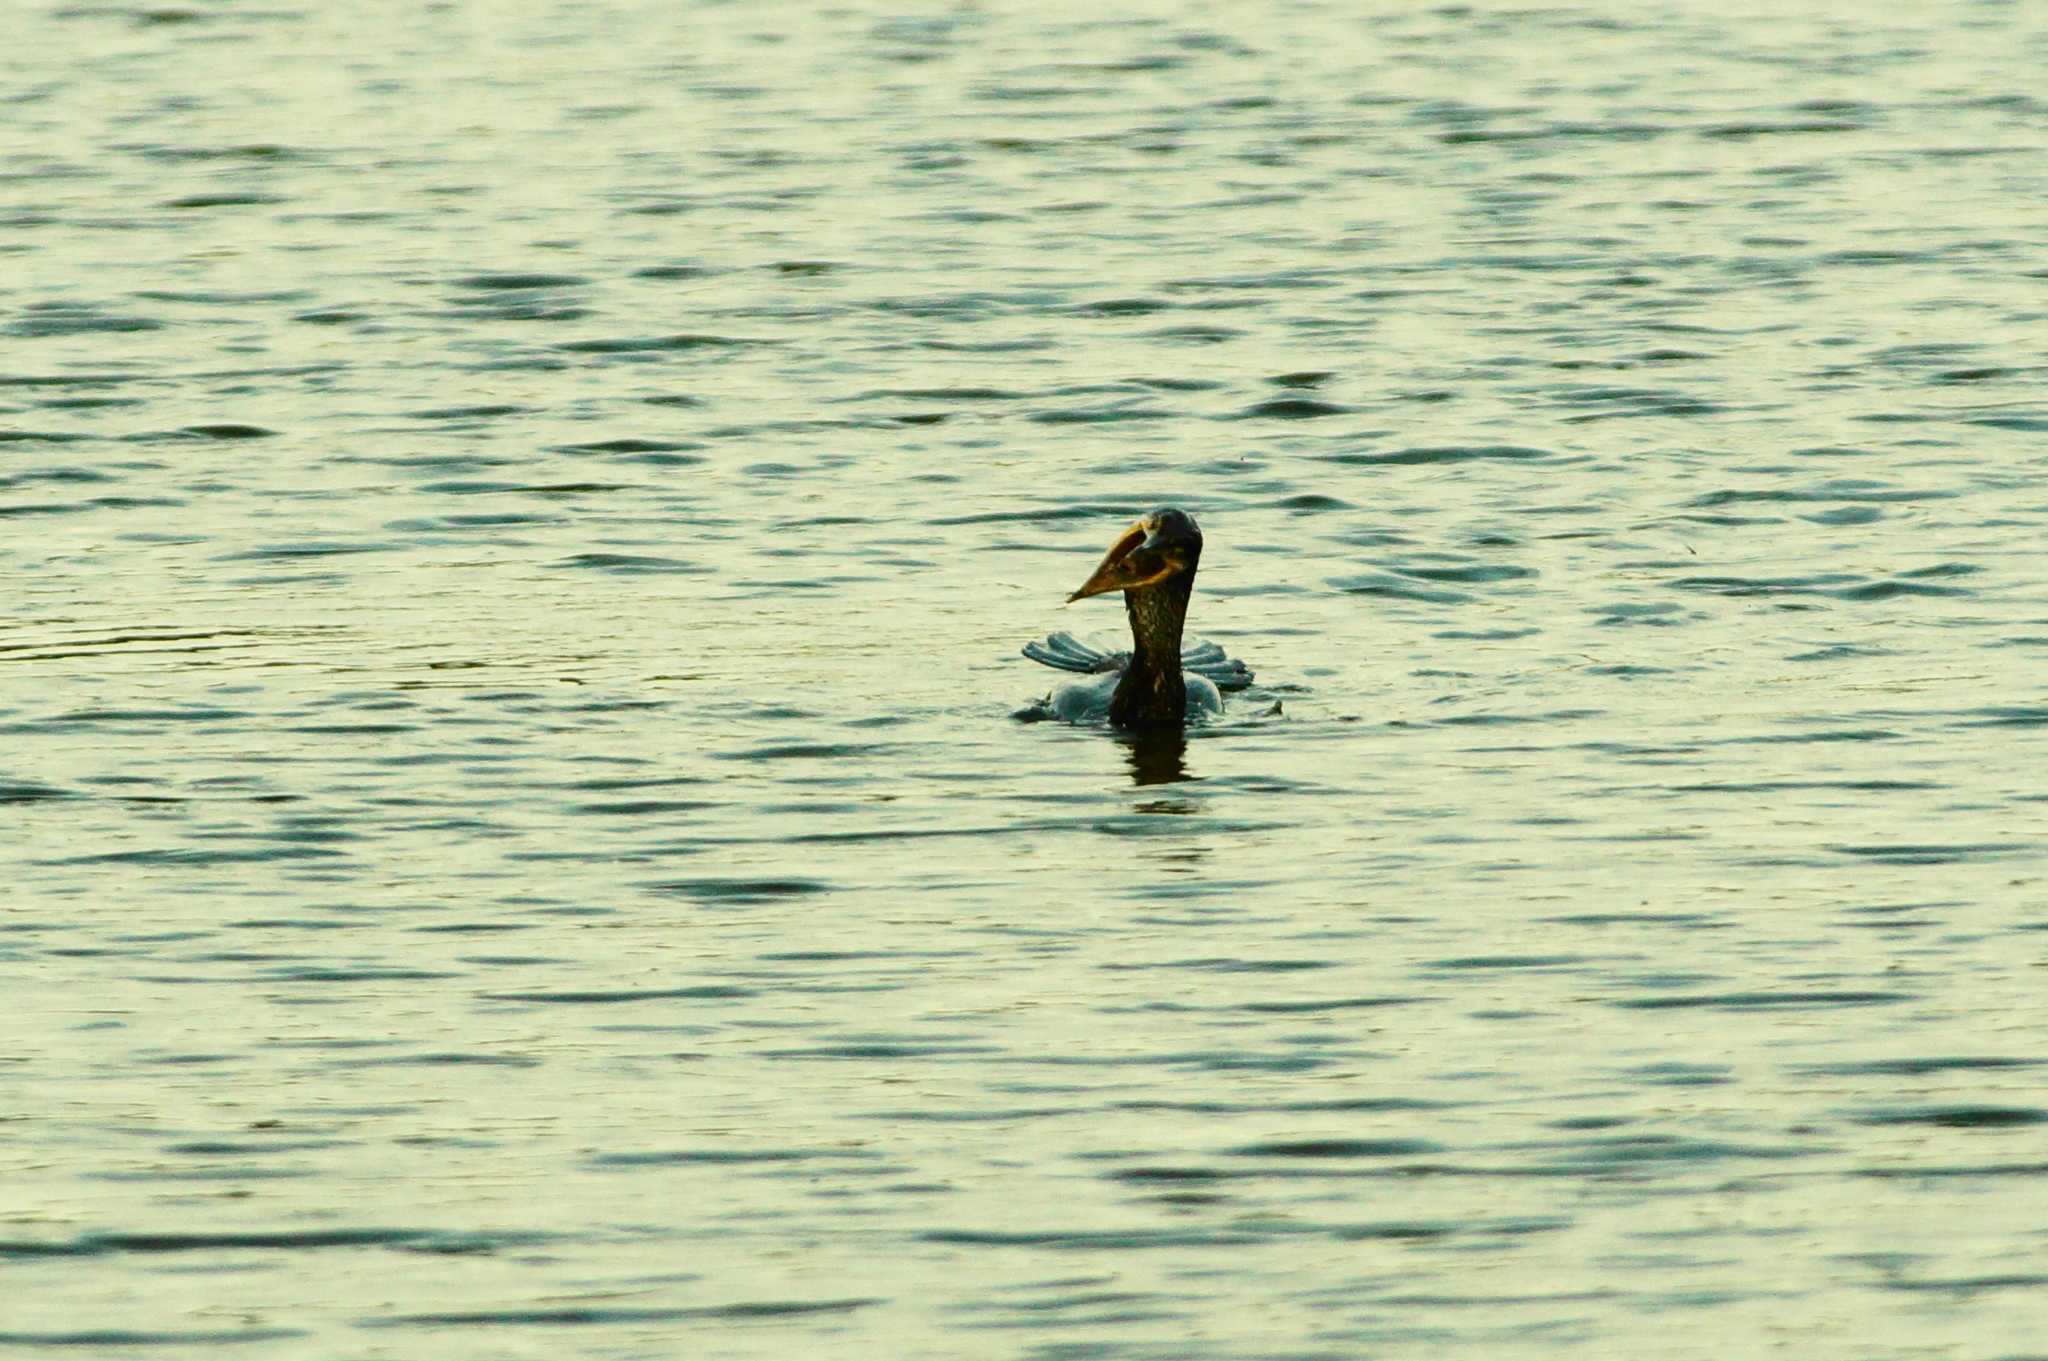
(1152, 691)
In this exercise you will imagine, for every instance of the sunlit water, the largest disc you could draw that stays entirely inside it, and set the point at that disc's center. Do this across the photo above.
(518, 521)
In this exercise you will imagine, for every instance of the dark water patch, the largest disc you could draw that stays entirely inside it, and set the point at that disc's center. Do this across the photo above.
(352, 730)
(1452, 453)
(1858, 491)
(262, 152)
(1562, 132)
(741, 890)
(222, 1148)
(1488, 963)
(1194, 335)
(287, 1240)
(2012, 716)
(627, 564)
(1655, 613)
(1887, 590)
(1747, 130)
(218, 298)
(730, 1157)
(1866, 256)
(193, 714)
(1115, 307)
(1292, 409)
(641, 807)
(476, 487)
(124, 1338)
(808, 751)
(1819, 735)
(1916, 1067)
(61, 476)
(1846, 515)
(994, 1115)
(631, 445)
(1289, 279)
(1469, 574)
(1956, 1117)
(861, 1050)
(1485, 635)
(41, 437)
(678, 343)
(1310, 1006)
(226, 430)
(1226, 964)
(1970, 1285)
(1919, 1171)
(310, 549)
(516, 282)
(359, 974)
(1204, 1060)
(467, 413)
(22, 791)
(945, 394)
(1337, 1148)
(707, 992)
(1495, 720)
(1781, 786)
(600, 1315)
(1629, 1150)
(1082, 1240)
(1619, 401)
(446, 1059)
(1681, 1074)
(222, 200)
(1100, 415)
(1394, 587)
(606, 784)
(1909, 853)
(1431, 1230)
(1789, 1000)
(677, 271)
(518, 307)
(74, 321)
(67, 380)
(2025, 423)
(1827, 584)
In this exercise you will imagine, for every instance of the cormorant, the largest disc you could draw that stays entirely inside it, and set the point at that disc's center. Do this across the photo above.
(1155, 684)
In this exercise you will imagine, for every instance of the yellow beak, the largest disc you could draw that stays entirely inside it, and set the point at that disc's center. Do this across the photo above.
(1132, 562)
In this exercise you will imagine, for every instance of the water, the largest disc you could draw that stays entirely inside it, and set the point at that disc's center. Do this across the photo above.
(518, 523)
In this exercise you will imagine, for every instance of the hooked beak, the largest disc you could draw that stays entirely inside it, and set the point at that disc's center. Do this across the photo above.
(1137, 559)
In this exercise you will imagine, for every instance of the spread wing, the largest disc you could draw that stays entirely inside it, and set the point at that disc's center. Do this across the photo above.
(1064, 652)
(1210, 660)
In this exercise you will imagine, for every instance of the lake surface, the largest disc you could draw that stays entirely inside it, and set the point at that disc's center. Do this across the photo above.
(518, 522)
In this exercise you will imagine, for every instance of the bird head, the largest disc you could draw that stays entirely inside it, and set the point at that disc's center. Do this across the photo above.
(1161, 545)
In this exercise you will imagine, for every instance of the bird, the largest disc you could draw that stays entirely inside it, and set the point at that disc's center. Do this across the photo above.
(1156, 684)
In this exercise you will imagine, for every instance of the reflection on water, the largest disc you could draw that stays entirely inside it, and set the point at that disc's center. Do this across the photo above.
(1156, 756)
(516, 543)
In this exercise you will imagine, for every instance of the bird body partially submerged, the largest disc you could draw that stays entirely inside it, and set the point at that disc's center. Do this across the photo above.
(1156, 683)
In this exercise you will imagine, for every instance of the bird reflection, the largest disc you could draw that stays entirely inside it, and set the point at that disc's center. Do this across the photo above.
(1157, 755)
